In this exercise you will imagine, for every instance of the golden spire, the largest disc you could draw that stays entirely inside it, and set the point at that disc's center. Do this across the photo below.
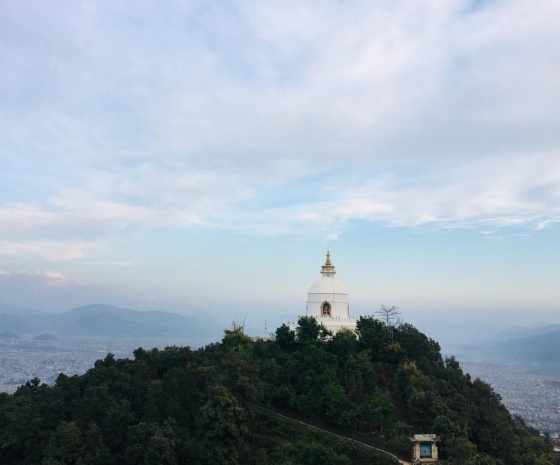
(328, 267)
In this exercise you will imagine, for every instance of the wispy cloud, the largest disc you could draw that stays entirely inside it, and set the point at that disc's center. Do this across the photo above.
(54, 250)
(268, 118)
(46, 277)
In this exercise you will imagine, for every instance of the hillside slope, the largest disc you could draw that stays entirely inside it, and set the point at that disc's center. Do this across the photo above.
(215, 405)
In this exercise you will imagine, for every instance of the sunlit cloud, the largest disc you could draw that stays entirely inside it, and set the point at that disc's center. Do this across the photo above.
(46, 277)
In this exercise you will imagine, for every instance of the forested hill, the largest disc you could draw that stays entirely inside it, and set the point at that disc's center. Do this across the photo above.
(216, 405)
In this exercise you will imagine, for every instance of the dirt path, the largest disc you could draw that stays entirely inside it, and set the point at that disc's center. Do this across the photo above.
(393, 456)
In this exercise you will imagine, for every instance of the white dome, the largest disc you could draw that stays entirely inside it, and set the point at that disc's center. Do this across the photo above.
(327, 285)
(327, 301)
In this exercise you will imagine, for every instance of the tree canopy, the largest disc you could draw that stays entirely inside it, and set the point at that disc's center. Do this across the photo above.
(216, 405)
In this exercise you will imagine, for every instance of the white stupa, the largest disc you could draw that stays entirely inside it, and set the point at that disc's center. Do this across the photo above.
(327, 300)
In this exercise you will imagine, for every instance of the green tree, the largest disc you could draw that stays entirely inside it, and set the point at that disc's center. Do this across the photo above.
(309, 331)
(152, 444)
(176, 396)
(285, 337)
(343, 344)
(223, 424)
(235, 338)
(95, 452)
(371, 333)
(378, 412)
(65, 445)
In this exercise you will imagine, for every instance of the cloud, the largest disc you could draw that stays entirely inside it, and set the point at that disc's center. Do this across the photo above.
(511, 191)
(44, 289)
(497, 193)
(49, 277)
(274, 118)
(54, 250)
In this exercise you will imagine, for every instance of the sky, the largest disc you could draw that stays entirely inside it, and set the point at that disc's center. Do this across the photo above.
(202, 156)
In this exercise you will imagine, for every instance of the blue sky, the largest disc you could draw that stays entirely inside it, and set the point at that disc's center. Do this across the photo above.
(202, 156)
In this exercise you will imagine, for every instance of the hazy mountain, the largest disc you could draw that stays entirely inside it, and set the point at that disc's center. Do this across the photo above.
(97, 320)
(537, 348)
(471, 341)
(520, 332)
(109, 321)
(26, 321)
(45, 337)
(9, 309)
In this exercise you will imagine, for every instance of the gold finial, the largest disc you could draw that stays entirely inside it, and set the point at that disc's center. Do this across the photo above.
(328, 267)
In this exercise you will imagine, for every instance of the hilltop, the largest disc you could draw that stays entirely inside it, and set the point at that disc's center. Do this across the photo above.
(218, 404)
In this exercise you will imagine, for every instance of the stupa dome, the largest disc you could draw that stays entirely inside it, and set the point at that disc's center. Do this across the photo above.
(327, 298)
(327, 285)
(327, 301)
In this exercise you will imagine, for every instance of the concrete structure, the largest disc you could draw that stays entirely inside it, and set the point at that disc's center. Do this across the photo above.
(327, 300)
(424, 448)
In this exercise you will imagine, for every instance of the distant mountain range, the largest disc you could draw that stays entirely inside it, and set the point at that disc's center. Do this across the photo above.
(542, 346)
(480, 341)
(4, 308)
(97, 320)
(523, 333)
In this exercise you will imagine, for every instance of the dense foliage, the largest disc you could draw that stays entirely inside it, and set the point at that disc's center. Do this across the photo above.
(216, 405)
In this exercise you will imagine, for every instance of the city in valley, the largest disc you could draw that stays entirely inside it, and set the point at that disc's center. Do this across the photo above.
(527, 391)
(25, 358)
